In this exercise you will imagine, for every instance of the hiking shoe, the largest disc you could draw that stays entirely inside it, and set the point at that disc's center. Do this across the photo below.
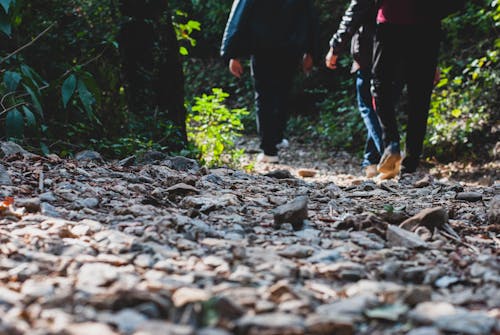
(263, 158)
(371, 171)
(409, 165)
(390, 161)
(283, 144)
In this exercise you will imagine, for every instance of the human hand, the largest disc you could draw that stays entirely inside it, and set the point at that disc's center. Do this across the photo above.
(331, 59)
(235, 67)
(307, 63)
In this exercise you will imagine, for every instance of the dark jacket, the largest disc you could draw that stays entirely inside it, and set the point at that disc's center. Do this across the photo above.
(358, 28)
(256, 26)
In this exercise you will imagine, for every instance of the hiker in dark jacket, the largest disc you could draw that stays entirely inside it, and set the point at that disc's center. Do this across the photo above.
(407, 39)
(358, 27)
(277, 35)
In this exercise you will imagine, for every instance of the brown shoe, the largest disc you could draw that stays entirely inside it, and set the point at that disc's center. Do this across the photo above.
(390, 162)
(371, 171)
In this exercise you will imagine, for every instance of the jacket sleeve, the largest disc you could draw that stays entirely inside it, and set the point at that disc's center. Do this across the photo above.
(233, 40)
(313, 47)
(353, 18)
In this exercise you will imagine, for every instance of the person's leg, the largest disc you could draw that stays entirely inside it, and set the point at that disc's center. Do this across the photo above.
(265, 107)
(423, 62)
(374, 144)
(386, 60)
(285, 70)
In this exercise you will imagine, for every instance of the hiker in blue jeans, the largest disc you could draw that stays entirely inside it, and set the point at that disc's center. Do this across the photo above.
(358, 27)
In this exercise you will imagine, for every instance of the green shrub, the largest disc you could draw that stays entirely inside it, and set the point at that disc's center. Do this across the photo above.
(213, 128)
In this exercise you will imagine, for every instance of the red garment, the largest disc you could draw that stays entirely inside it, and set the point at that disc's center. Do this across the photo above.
(398, 12)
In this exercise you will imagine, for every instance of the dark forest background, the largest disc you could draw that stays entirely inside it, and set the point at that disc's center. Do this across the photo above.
(70, 80)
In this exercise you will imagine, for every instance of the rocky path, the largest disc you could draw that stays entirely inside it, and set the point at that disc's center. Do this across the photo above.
(158, 246)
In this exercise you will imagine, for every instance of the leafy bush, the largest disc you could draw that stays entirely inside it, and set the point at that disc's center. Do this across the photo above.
(214, 128)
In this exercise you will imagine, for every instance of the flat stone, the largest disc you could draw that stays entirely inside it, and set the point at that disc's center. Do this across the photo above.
(469, 196)
(163, 328)
(430, 217)
(11, 148)
(4, 176)
(430, 311)
(294, 212)
(398, 237)
(279, 174)
(187, 295)
(180, 163)
(494, 211)
(32, 205)
(307, 173)
(90, 328)
(470, 323)
(296, 251)
(425, 331)
(271, 323)
(88, 155)
(349, 308)
(329, 324)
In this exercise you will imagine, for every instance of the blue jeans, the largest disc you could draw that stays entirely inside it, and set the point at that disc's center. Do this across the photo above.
(374, 143)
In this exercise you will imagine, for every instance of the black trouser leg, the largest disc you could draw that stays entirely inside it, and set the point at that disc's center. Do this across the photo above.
(273, 76)
(420, 76)
(386, 62)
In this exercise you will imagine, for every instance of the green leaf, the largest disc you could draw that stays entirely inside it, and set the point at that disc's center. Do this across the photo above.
(32, 74)
(67, 89)
(11, 80)
(14, 124)
(44, 147)
(183, 51)
(85, 96)
(6, 4)
(30, 117)
(92, 86)
(5, 26)
(35, 98)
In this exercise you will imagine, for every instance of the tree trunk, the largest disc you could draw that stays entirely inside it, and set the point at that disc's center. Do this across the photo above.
(152, 71)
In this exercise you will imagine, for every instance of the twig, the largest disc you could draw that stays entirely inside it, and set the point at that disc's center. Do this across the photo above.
(470, 246)
(27, 44)
(41, 181)
(13, 107)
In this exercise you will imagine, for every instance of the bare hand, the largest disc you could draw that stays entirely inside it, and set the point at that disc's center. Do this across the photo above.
(307, 63)
(331, 59)
(235, 67)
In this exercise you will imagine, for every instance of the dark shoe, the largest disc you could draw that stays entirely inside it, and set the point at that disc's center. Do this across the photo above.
(409, 165)
(391, 159)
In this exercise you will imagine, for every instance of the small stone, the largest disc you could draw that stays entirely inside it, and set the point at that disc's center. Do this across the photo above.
(424, 182)
(296, 251)
(279, 174)
(87, 203)
(417, 294)
(187, 295)
(430, 218)
(272, 323)
(424, 331)
(32, 205)
(470, 323)
(49, 210)
(90, 328)
(163, 328)
(11, 148)
(180, 163)
(398, 237)
(37, 288)
(89, 155)
(4, 176)
(430, 311)
(329, 324)
(294, 212)
(307, 173)
(182, 189)
(494, 211)
(469, 196)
